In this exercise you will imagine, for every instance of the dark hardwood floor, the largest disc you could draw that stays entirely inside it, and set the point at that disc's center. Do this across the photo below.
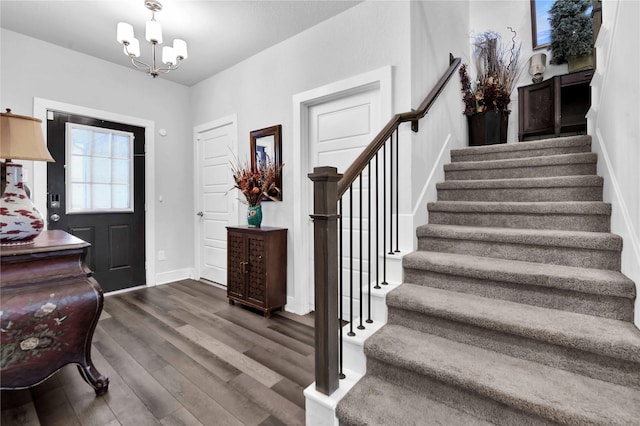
(179, 354)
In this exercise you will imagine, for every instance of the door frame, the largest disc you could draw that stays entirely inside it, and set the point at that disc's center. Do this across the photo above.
(40, 107)
(197, 180)
(380, 79)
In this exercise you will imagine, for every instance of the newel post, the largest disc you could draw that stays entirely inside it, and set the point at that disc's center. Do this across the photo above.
(325, 240)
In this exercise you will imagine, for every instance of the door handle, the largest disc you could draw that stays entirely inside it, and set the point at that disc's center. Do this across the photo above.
(243, 267)
(54, 217)
(200, 214)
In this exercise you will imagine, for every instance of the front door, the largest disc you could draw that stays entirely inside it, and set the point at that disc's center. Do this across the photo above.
(95, 191)
(215, 144)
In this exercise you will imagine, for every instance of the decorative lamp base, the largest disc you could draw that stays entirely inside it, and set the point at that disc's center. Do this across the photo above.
(20, 220)
(254, 216)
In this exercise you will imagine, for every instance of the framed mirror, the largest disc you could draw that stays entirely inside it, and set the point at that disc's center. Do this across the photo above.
(267, 144)
(540, 27)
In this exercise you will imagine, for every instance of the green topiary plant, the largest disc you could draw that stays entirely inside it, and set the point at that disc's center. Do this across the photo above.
(571, 30)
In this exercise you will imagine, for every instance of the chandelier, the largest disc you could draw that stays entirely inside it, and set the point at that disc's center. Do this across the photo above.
(171, 56)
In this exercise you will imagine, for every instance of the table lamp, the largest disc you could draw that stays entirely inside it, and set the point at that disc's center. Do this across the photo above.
(537, 65)
(20, 139)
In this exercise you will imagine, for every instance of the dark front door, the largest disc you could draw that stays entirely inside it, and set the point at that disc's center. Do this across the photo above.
(95, 191)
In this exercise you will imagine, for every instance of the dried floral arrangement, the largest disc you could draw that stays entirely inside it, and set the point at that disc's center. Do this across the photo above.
(256, 184)
(497, 70)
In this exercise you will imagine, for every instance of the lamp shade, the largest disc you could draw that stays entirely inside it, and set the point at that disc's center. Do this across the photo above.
(154, 32)
(537, 63)
(21, 138)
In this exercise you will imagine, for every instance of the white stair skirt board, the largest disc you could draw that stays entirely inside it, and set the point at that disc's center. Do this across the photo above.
(320, 409)
(353, 346)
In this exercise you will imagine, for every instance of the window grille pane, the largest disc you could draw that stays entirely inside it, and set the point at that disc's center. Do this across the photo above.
(101, 144)
(79, 196)
(120, 196)
(99, 170)
(121, 146)
(80, 169)
(81, 141)
(101, 196)
(120, 171)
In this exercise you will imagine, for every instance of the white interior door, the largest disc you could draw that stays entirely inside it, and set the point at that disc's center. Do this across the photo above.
(339, 129)
(216, 142)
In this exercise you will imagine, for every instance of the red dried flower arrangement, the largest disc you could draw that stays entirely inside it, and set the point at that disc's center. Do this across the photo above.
(256, 184)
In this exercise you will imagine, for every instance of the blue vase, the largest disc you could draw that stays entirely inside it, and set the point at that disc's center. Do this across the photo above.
(254, 216)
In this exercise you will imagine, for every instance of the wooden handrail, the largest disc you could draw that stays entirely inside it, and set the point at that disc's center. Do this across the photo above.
(370, 151)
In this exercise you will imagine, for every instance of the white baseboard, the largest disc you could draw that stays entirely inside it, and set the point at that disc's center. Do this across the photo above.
(171, 276)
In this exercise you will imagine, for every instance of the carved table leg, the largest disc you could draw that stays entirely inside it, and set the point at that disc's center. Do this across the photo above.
(92, 376)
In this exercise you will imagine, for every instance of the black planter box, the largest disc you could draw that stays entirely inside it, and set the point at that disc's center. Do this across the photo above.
(488, 128)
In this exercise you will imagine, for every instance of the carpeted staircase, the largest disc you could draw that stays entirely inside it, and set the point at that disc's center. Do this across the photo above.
(513, 310)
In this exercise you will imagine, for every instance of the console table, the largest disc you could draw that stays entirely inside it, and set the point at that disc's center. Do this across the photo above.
(257, 267)
(554, 106)
(50, 308)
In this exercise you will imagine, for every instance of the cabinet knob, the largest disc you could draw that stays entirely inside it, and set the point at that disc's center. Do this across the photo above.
(200, 214)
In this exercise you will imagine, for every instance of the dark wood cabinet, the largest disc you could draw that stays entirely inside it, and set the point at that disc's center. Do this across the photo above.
(554, 107)
(257, 267)
(50, 308)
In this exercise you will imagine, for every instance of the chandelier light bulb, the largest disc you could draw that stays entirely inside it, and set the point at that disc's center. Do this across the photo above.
(154, 32)
(180, 48)
(125, 32)
(168, 55)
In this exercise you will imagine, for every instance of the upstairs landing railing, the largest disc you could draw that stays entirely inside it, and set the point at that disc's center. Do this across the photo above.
(331, 190)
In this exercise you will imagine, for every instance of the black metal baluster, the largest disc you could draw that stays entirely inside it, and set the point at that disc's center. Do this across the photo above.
(397, 192)
(384, 214)
(369, 320)
(351, 333)
(361, 327)
(340, 301)
(377, 224)
(391, 164)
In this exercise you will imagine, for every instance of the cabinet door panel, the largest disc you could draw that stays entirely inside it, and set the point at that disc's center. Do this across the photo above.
(235, 265)
(257, 269)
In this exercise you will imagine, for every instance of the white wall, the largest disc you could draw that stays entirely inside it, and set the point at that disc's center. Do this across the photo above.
(31, 68)
(260, 89)
(615, 128)
(438, 28)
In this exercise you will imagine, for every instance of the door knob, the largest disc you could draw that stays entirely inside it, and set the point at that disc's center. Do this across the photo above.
(54, 217)
(200, 214)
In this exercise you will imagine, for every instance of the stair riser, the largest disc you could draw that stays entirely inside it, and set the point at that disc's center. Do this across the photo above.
(566, 222)
(532, 348)
(456, 157)
(523, 172)
(454, 396)
(582, 193)
(617, 308)
(555, 255)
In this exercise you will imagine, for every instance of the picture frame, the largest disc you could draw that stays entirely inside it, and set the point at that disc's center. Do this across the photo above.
(540, 27)
(267, 143)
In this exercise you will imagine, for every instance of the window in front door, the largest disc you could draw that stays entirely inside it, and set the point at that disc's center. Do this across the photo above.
(99, 172)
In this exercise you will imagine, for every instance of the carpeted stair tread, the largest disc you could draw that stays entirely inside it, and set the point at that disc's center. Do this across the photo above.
(373, 401)
(541, 237)
(541, 182)
(525, 149)
(613, 338)
(551, 393)
(539, 207)
(508, 163)
(584, 280)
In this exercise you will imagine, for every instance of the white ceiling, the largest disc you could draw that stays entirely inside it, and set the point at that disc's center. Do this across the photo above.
(218, 33)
